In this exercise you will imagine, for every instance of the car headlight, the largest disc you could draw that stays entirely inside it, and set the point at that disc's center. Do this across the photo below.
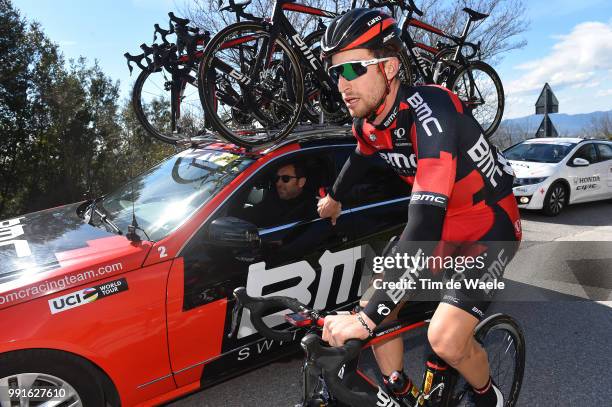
(528, 181)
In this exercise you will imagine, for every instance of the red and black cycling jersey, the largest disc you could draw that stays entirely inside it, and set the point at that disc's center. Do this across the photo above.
(459, 180)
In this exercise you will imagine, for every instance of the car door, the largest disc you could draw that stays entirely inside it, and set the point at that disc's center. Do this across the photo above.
(605, 158)
(307, 259)
(586, 181)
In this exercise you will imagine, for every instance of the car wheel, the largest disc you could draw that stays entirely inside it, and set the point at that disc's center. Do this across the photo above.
(60, 378)
(555, 200)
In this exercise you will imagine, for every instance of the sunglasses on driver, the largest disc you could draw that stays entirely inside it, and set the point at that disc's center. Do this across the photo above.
(284, 178)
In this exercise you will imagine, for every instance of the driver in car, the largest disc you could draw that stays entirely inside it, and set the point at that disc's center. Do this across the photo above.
(288, 202)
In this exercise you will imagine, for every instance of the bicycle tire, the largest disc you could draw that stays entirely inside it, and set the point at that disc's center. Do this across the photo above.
(158, 124)
(516, 340)
(211, 102)
(489, 123)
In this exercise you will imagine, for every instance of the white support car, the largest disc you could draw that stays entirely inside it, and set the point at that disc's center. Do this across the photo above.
(552, 173)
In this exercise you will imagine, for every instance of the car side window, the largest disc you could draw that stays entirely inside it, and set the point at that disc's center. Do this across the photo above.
(587, 152)
(605, 152)
(284, 191)
(379, 184)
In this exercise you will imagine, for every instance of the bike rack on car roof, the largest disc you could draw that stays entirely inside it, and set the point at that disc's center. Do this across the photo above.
(302, 132)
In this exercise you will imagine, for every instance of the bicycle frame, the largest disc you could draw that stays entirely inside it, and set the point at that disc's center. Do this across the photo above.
(414, 47)
(344, 373)
(279, 23)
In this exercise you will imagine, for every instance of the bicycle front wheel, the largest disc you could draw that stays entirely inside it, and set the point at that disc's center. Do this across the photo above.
(167, 104)
(479, 87)
(256, 99)
(503, 340)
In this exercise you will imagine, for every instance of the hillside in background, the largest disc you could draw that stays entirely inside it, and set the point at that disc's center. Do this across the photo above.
(595, 124)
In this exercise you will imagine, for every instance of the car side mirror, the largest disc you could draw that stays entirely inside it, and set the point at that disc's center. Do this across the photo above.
(234, 233)
(580, 162)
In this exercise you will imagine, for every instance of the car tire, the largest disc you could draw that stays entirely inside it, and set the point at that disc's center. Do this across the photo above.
(556, 199)
(50, 369)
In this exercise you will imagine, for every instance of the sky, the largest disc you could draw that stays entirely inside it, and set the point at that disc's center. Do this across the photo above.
(569, 45)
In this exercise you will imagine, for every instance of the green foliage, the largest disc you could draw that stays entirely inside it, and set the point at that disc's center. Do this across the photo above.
(63, 133)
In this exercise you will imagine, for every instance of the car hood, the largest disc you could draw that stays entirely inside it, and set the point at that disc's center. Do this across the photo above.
(527, 169)
(47, 245)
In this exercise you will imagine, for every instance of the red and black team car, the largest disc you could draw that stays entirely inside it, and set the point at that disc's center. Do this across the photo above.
(96, 315)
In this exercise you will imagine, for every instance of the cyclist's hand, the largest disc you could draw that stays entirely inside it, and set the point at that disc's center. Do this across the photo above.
(340, 328)
(329, 208)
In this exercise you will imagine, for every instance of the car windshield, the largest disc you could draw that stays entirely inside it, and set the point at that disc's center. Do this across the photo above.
(538, 152)
(169, 193)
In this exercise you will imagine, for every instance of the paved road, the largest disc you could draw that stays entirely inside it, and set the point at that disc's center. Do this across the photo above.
(562, 276)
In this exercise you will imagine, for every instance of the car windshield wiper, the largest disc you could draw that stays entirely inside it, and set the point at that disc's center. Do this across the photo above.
(91, 209)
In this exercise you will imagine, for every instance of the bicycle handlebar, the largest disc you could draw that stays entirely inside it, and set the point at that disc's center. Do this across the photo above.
(178, 20)
(238, 10)
(400, 3)
(259, 306)
(137, 59)
(329, 359)
(163, 33)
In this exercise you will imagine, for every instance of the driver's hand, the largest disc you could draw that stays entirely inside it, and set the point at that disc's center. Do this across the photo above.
(329, 208)
(340, 328)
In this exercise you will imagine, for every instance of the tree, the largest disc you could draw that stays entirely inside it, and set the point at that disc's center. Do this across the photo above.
(600, 127)
(64, 134)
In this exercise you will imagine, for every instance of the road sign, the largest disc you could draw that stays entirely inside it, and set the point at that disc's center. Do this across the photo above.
(547, 128)
(547, 101)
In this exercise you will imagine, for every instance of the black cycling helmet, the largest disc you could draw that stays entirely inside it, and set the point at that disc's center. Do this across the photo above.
(361, 28)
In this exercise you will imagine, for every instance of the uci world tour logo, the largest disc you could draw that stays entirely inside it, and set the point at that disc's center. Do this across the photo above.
(86, 296)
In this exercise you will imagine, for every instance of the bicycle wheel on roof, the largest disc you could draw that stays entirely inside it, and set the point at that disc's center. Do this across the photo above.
(253, 100)
(167, 104)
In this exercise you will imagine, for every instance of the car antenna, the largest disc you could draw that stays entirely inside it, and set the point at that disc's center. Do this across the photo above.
(131, 235)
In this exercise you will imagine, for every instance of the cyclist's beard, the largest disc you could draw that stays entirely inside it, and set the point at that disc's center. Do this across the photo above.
(369, 98)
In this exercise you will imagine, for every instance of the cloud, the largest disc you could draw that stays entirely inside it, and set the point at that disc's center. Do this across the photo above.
(575, 60)
(604, 92)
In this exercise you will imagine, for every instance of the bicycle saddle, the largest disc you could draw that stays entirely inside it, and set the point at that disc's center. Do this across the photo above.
(475, 15)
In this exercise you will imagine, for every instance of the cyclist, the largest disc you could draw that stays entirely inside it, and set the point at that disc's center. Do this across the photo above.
(461, 192)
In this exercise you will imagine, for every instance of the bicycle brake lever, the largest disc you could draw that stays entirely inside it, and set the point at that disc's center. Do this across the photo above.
(236, 316)
(130, 67)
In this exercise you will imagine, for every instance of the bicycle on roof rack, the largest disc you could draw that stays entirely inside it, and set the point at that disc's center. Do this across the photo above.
(454, 66)
(164, 97)
(332, 377)
(265, 76)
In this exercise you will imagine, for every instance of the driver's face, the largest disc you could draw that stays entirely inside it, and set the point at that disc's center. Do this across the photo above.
(293, 187)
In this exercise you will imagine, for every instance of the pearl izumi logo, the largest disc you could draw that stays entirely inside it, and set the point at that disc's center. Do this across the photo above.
(424, 113)
(383, 310)
(86, 296)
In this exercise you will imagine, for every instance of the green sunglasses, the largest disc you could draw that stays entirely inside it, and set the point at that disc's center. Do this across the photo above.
(352, 69)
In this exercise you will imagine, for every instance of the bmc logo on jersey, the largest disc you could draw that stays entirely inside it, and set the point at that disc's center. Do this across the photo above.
(424, 114)
(483, 155)
(400, 161)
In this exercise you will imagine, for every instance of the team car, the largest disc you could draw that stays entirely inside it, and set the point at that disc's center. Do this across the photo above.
(552, 173)
(127, 299)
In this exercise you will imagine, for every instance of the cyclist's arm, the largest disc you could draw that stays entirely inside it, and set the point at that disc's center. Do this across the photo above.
(353, 170)
(434, 181)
